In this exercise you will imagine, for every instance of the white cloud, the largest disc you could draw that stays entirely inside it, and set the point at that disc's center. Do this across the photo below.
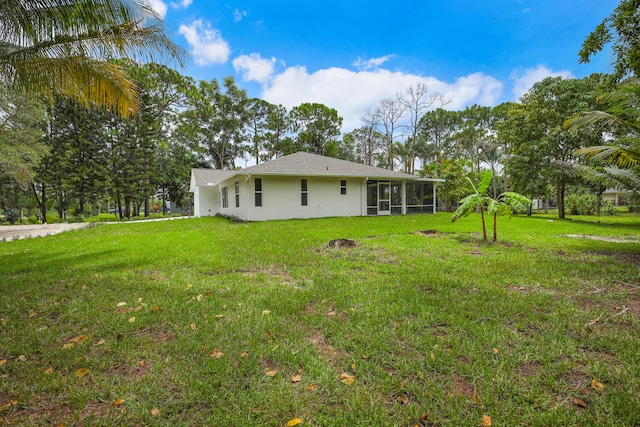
(182, 4)
(373, 63)
(239, 14)
(254, 67)
(352, 93)
(524, 78)
(159, 7)
(205, 43)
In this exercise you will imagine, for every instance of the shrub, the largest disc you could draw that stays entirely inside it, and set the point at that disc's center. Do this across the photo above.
(587, 204)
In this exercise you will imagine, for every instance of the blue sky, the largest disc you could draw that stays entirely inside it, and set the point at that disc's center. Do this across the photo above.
(350, 54)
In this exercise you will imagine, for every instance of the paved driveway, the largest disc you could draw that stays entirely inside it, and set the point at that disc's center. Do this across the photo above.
(11, 232)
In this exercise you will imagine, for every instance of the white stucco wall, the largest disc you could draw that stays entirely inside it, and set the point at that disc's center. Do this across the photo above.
(205, 201)
(281, 198)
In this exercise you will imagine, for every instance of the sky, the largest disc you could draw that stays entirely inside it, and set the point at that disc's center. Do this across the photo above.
(351, 54)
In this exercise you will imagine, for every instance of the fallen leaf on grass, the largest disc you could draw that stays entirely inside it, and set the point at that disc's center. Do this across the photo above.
(271, 373)
(100, 342)
(216, 354)
(118, 402)
(68, 345)
(403, 399)
(48, 371)
(199, 297)
(121, 304)
(486, 421)
(244, 354)
(142, 363)
(596, 385)
(22, 358)
(296, 378)
(580, 402)
(3, 361)
(8, 405)
(132, 319)
(496, 351)
(81, 372)
(265, 312)
(475, 396)
(155, 308)
(32, 315)
(346, 378)
(155, 412)
(311, 386)
(194, 326)
(294, 422)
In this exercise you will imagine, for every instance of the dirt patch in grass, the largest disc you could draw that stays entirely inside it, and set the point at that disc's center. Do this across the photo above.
(529, 369)
(51, 409)
(463, 387)
(342, 243)
(577, 380)
(602, 238)
(430, 233)
(631, 258)
(324, 349)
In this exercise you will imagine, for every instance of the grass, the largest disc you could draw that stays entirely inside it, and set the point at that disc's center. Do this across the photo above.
(208, 322)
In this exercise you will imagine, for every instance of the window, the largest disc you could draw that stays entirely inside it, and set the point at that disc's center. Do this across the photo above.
(303, 192)
(225, 197)
(343, 186)
(258, 191)
(237, 194)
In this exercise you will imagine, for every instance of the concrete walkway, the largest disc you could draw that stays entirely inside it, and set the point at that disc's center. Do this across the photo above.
(15, 232)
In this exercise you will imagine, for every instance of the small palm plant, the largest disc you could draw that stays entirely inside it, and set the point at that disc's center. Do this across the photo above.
(504, 204)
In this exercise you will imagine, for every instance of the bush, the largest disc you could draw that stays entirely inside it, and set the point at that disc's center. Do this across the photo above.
(587, 204)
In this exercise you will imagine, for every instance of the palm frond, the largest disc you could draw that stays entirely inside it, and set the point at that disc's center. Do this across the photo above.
(623, 157)
(600, 119)
(74, 41)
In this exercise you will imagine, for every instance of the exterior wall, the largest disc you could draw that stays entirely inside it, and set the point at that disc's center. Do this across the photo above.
(205, 201)
(232, 210)
(281, 198)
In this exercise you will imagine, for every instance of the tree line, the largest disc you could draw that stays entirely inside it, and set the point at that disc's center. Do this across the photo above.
(66, 152)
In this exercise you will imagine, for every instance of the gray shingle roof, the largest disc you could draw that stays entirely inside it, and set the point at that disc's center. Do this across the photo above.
(211, 176)
(301, 164)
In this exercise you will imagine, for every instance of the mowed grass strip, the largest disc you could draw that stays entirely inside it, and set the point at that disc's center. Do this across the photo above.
(416, 321)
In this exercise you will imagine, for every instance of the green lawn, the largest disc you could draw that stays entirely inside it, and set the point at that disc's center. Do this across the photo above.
(206, 322)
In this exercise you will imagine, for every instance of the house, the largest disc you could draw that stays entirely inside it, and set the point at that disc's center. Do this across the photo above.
(304, 185)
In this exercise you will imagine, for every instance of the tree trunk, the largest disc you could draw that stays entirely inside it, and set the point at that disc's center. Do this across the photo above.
(44, 203)
(484, 227)
(560, 198)
(495, 226)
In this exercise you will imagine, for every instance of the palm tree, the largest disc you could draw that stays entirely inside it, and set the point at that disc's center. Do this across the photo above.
(504, 204)
(66, 47)
(622, 120)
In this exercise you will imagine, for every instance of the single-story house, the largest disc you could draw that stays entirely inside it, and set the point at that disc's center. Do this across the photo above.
(304, 185)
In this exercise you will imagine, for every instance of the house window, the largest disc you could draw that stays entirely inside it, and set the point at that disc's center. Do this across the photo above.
(303, 192)
(225, 197)
(258, 192)
(343, 186)
(237, 194)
